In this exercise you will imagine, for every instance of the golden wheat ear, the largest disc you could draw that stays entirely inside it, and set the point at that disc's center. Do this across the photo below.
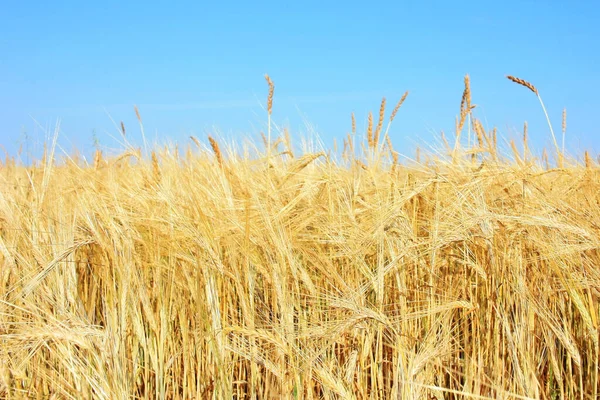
(269, 111)
(394, 112)
(380, 122)
(530, 86)
(216, 150)
(524, 83)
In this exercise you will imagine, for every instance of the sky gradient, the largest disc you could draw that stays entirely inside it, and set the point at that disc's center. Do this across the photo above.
(195, 68)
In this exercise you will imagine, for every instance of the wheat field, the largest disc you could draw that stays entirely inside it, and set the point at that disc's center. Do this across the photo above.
(206, 272)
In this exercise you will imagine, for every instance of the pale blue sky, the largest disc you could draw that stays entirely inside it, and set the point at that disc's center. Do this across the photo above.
(193, 67)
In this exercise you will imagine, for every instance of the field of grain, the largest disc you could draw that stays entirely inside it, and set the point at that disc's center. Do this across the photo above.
(269, 272)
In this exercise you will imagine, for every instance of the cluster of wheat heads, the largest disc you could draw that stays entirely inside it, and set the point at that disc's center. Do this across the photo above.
(218, 275)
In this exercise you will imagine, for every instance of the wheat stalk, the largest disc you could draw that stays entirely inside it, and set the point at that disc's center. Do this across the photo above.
(370, 140)
(530, 86)
(196, 141)
(516, 152)
(588, 160)
(465, 110)
(389, 143)
(564, 128)
(525, 141)
(155, 167)
(398, 105)
(394, 160)
(269, 111)
(395, 111)
(139, 118)
(351, 144)
(495, 141)
(216, 150)
(353, 124)
(446, 144)
(480, 132)
(380, 122)
(271, 92)
(288, 142)
(97, 159)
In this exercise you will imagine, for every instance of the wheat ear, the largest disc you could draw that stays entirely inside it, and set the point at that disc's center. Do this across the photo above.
(370, 140)
(139, 118)
(380, 122)
(530, 86)
(588, 160)
(564, 128)
(195, 140)
(216, 149)
(395, 111)
(269, 111)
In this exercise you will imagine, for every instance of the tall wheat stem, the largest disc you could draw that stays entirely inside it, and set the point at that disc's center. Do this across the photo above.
(530, 86)
(269, 111)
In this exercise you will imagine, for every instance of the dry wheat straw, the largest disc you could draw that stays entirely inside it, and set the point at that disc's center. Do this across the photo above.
(525, 141)
(264, 139)
(345, 150)
(362, 165)
(139, 118)
(288, 142)
(588, 160)
(196, 141)
(353, 124)
(351, 143)
(480, 132)
(515, 151)
(122, 128)
(398, 105)
(370, 139)
(269, 111)
(379, 123)
(137, 113)
(564, 128)
(395, 111)
(389, 143)
(155, 167)
(393, 153)
(467, 93)
(97, 159)
(465, 110)
(530, 86)
(445, 141)
(270, 96)
(216, 150)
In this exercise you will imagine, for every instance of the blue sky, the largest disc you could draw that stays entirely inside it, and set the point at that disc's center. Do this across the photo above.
(195, 68)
